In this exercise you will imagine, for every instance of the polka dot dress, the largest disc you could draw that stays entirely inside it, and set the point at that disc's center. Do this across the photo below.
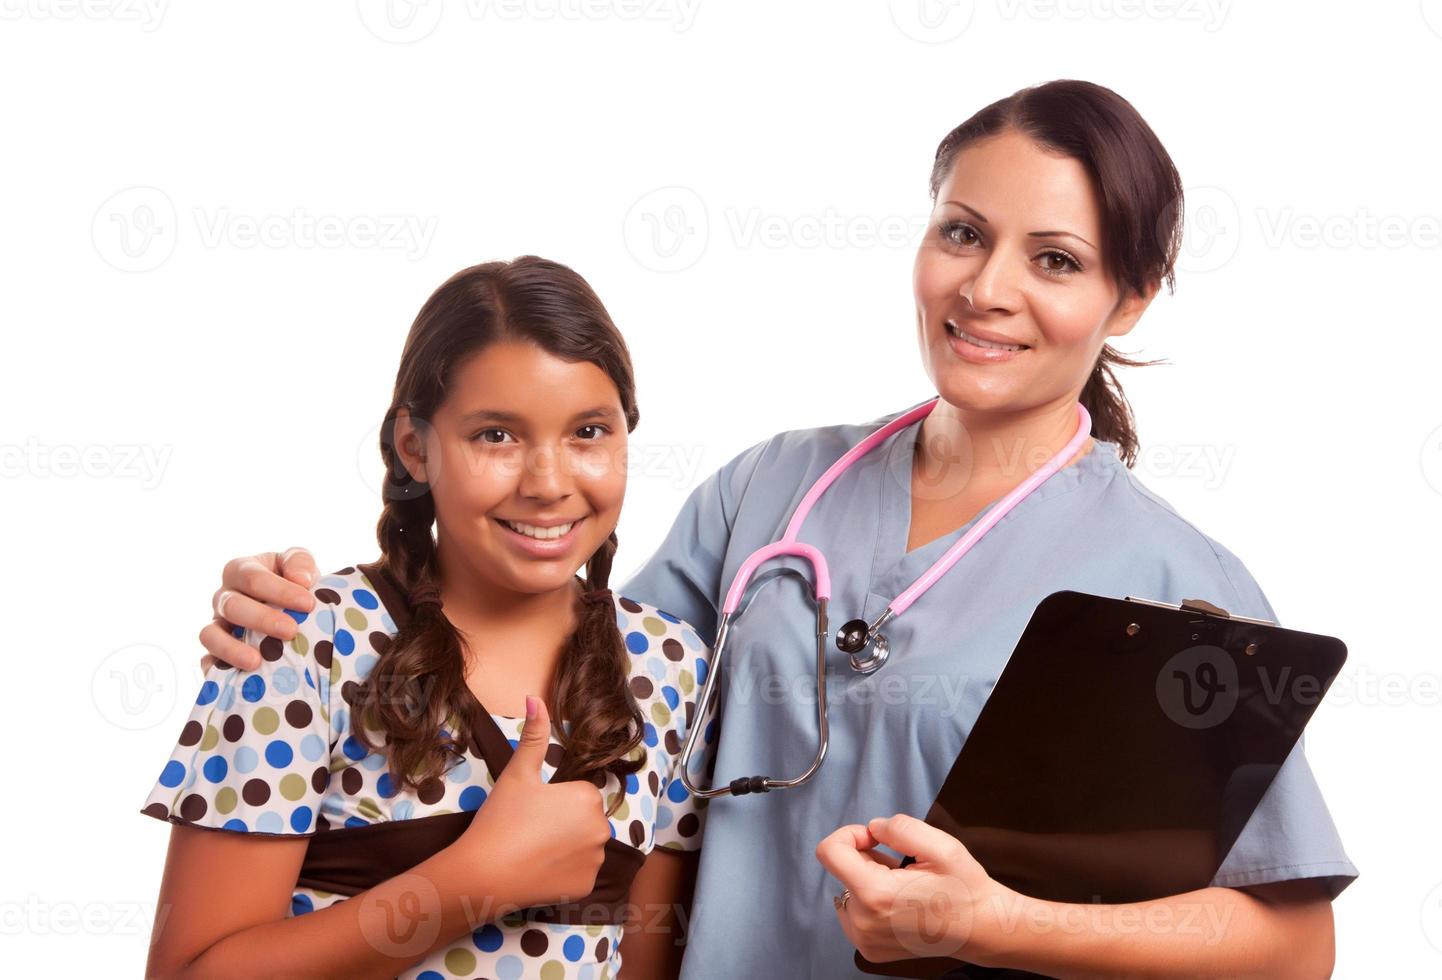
(270, 751)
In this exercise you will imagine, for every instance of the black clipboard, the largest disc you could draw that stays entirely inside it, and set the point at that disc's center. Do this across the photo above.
(1122, 751)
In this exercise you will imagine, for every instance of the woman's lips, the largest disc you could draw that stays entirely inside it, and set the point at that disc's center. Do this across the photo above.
(979, 353)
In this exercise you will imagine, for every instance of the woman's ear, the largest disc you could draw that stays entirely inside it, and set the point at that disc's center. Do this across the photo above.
(410, 444)
(1129, 309)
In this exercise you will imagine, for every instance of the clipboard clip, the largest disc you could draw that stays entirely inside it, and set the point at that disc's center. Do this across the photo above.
(1201, 607)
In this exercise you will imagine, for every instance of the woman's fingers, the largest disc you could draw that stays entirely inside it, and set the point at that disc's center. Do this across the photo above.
(299, 566)
(908, 835)
(239, 609)
(221, 645)
(846, 853)
(258, 577)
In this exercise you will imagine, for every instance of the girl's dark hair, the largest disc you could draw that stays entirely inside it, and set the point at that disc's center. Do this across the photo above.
(419, 681)
(1141, 198)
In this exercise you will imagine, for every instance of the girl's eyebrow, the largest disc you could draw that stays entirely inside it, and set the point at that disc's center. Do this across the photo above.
(511, 418)
(1035, 234)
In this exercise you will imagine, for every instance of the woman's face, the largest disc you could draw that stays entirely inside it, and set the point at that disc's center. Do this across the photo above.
(526, 462)
(1014, 297)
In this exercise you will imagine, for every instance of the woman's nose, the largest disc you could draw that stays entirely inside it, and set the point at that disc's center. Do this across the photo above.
(994, 286)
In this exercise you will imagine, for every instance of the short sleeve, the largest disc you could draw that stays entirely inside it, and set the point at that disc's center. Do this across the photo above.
(254, 755)
(1291, 834)
(680, 816)
(684, 575)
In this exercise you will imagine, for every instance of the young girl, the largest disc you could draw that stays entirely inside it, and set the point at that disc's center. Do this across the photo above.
(385, 794)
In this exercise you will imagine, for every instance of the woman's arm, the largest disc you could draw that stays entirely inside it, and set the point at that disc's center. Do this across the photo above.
(947, 905)
(658, 913)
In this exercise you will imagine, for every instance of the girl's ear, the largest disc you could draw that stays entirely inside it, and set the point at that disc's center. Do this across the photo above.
(410, 444)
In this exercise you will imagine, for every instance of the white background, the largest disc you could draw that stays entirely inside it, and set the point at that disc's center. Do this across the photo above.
(191, 373)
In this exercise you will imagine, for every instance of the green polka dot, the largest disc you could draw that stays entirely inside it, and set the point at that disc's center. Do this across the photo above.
(552, 970)
(211, 739)
(660, 714)
(368, 808)
(594, 930)
(623, 812)
(355, 619)
(300, 644)
(461, 961)
(225, 799)
(335, 671)
(687, 680)
(654, 626)
(292, 786)
(266, 720)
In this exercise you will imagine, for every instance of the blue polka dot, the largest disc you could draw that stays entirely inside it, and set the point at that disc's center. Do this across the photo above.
(300, 819)
(374, 761)
(364, 599)
(388, 624)
(172, 774)
(235, 823)
(648, 809)
(637, 642)
(587, 972)
(633, 785)
(325, 620)
(573, 948)
(334, 582)
(353, 749)
(355, 822)
(208, 691)
(285, 680)
(648, 733)
(215, 769)
(663, 818)
(269, 823)
(702, 668)
(672, 696)
(309, 681)
(227, 698)
(238, 632)
(312, 747)
(402, 809)
(297, 615)
(621, 620)
(689, 637)
(472, 797)
(656, 667)
(278, 753)
(676, 792)
(253, 689)
(301, 904)
(385, 786)
(460, 773)
(667, 616)
(515, 742)
(339, 720)
(344, 642)
(364, 664)
(246, 759)
(429, 975)
(488, 938)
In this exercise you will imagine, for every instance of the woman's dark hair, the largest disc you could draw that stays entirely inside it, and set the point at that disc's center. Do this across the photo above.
(419, 681)
(1141, 198)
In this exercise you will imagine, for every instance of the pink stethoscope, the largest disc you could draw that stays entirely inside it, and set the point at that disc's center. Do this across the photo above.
(854, 637)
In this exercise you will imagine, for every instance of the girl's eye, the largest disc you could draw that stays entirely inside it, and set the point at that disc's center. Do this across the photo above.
(1057, 263)
(597, 432)
(485, 435)
(960, 233)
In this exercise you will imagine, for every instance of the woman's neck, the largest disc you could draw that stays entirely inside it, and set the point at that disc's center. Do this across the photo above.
(992, 451)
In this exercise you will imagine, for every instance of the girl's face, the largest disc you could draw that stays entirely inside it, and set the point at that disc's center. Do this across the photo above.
(526, 462)
(1014, 298)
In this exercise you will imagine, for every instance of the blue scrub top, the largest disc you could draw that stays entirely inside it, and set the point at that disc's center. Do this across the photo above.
(762, 906)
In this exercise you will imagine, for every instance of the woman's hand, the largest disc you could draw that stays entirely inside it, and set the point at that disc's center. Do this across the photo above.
(247, 584)
(539, 843)
(943, 905)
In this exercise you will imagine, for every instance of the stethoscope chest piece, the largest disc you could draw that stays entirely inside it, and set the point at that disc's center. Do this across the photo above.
(853, 639)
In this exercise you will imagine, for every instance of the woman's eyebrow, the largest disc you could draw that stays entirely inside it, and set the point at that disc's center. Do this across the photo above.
(1035, 234)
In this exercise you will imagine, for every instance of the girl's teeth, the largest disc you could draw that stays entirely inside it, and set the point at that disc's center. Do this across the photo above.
(540, 533)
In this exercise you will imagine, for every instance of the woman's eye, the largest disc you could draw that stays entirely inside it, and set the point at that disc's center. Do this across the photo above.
(493, 436)
(1058, 263)
(596, 432)
(960, 233)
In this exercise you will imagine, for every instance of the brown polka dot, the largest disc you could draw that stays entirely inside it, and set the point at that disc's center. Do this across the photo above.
(233, 728)
(630, 605)
(190, 734)
(654, 782)
(642, 687)
(638, 833)
(672, 648)
(270, 649)
(320, 779)
(673, 741)
(192, 807)
(351, 780)
(534, 942)
(328, 596)
(255, 791)
(688, 825)
(380, 642)
(345, 571)
(602, 948)
(323, 651)
(431, 791)
(298, 714)
(555, 755)
(348, 691)
(157, 810)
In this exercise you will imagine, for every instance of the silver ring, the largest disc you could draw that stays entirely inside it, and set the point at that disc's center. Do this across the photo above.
(840, 900)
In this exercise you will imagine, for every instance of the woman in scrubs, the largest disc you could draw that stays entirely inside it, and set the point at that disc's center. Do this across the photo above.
(1056, 219)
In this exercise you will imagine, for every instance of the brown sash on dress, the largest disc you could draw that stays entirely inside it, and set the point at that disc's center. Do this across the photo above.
(348, 860)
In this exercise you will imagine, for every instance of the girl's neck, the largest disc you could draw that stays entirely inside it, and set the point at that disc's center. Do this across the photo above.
(473, 602)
